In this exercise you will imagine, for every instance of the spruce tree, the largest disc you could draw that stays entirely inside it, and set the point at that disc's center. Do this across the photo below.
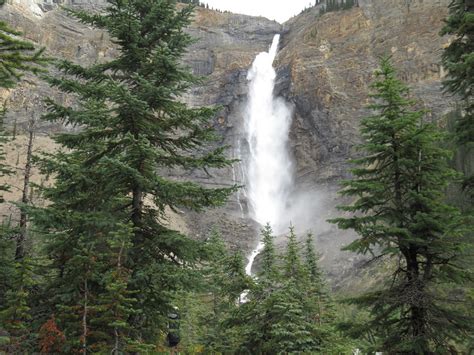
(214, 274)
(399, 212)
(268, 255)
(225, 280)
(15, 315)
(317, 291)
(282, 314)
(116, 303)
(17, 57)
(292, 328)
(458, 59)
(133, 126)
(253, 317)
(207, 311)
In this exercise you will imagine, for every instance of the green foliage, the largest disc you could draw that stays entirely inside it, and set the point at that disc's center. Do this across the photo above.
(399, 211)
(15, 316)
(7, 252)
(208, 311)
(288, 308)
(16, 56)
(193, 2)
(458, 59)
(116, 303)
(268, 255)
(337, 5)
(115, 266)
(317, 291)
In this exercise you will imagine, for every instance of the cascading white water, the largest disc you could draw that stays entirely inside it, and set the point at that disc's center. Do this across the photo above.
(267, 126)
(269, 170)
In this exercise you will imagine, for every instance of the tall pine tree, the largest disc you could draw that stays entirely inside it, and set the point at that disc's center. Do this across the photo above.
(318, 290)
(458, 59)
(17, 57)
(224, 282)
(292, 328)
(399, 211)
(132, 127)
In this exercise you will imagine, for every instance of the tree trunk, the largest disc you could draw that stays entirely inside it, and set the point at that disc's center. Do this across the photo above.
(84, 319)
(137, 206)
(22, 235)
(115, 350)
(417, 298)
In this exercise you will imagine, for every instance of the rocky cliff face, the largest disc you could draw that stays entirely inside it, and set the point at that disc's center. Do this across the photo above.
(324, 67)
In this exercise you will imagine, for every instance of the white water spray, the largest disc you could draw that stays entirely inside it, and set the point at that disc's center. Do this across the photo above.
(269, 170)
(267, 126)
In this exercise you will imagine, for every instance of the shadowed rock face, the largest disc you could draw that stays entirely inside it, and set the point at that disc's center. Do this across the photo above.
(324, 67)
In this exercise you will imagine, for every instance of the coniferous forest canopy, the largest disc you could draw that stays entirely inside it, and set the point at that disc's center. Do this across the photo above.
(96, 268)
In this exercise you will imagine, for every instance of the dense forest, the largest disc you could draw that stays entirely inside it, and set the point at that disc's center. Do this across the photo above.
(95, 269)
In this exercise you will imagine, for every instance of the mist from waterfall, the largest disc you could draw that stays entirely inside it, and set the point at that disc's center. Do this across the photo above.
(269, 170)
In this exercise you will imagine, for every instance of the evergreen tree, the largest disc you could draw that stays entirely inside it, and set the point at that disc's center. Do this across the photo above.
(253, 318)
(282, 314)
(268, 255)
(207, 312)
(115, 305)
(133, 126)
(317, 291)
(458, 59)
(400, 212)
(225, 280)
(17, 57)
(292, 328)
(15, 315)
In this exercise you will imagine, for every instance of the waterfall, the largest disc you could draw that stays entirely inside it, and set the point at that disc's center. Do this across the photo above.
(269, 168)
